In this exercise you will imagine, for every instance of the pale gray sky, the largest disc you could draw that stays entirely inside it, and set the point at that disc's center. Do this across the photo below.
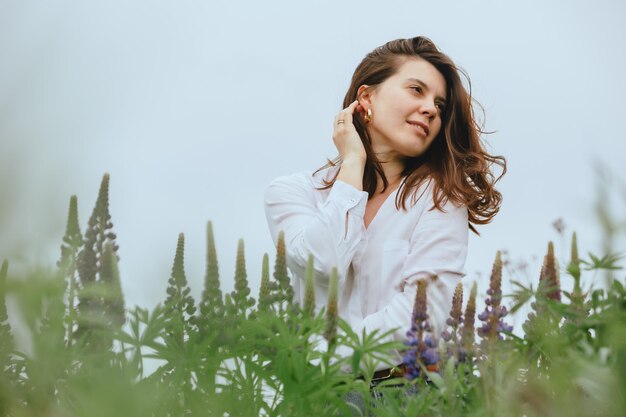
(194, 106)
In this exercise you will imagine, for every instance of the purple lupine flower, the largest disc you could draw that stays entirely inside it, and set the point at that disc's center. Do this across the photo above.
(504, 327)
(409, 357)
(457, 304)
(429, 342)
(446, 335)
(467, 331)
(451, 335)
(491, 316)
(429, 354)
(422, 346)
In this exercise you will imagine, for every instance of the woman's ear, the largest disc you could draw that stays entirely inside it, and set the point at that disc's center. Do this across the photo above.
(364, 95)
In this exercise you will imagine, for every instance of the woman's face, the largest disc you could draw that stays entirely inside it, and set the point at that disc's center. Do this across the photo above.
(406, 110)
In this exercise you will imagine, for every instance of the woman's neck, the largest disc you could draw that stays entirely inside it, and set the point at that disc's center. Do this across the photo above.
(393, 172)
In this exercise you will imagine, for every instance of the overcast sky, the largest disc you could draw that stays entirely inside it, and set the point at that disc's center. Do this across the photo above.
(193, 107)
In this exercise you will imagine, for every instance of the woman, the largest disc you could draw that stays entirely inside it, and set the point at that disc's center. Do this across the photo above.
(407, 135)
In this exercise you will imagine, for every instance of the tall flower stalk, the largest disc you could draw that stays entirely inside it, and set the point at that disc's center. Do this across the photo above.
(578, 304)
(309, 288)
(265, 288)
(72, 241)
(282, 290)
(332, 310)
(549, 282)
(493, 325)
(422, 346)
(240, 302)
(467, 330)
(179, 304)
(543, 323)
(452, 335)
(95, 301)
(211, 307)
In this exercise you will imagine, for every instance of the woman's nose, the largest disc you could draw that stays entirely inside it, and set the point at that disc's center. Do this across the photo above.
(429, 109)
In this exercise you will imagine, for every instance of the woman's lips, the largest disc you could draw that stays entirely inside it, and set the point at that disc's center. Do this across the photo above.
(420, 127)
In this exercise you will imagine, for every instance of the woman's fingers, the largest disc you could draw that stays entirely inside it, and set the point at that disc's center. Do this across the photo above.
(348, 111)
(345, 136)
(345, 115)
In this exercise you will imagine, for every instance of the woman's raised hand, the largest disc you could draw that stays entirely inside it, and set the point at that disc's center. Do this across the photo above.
(350, 147)
(345, 136)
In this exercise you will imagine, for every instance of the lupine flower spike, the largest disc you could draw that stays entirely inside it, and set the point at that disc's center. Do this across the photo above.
(422, 346)
(264, 290)
(467, 331)
(72, 241)
(332, 310)
(451, 335)
(240, 295)
(574, 265)
(494, 311)
(179, 303)
(577, 296)
(89, 264)
(456, 318)
(549, 277)
(115, 310)
(212, 303)
(309, 289)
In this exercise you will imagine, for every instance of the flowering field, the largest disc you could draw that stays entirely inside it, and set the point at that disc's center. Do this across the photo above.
(237, 355)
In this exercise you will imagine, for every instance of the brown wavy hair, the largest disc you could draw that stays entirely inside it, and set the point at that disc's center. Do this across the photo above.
(456, 160)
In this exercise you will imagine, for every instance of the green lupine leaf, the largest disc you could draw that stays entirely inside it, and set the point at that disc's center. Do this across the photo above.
(606, 262)
(356, 361)
(435, 378)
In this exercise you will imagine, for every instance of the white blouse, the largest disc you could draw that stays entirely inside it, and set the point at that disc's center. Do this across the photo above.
(379, 265)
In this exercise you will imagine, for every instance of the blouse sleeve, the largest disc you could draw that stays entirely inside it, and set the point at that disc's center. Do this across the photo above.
(437, 253)
(318, 229)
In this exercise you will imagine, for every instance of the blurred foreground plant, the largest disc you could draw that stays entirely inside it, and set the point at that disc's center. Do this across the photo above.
(232, 355)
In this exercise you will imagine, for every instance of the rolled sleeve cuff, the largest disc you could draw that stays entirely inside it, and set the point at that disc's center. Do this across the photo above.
(348, 197)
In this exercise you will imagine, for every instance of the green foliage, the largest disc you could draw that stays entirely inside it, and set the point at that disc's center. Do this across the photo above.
(279, 359)
(6, 338)
(7, 368)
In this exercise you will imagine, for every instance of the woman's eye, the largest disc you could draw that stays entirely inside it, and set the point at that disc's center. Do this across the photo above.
(417, 89)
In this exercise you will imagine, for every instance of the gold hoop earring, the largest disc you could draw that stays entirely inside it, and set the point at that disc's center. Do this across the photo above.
(368, 116)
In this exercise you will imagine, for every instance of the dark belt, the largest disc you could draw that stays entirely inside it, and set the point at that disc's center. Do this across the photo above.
(383, 374)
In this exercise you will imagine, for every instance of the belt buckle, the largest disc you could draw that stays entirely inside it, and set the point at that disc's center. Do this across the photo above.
(393, 372)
